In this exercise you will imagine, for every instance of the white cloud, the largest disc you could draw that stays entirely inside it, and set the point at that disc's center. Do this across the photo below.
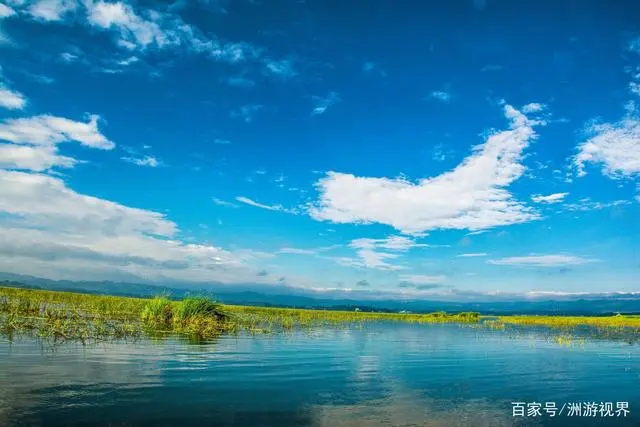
(296, 251)
(220, 202)
(68, 57)
(541, 261)
(132, 28)
(221, 141)
(587, 204)
(419, 279)
(250, 202)
(368, 251)
(475, 233)
(369, 259)
(41, 199)
(149, 161)
(634, 87)
(46, 129)
(50, 230)
(323, 103)
(472, 196)
(33, 142)
(613, 146)
(234, 52)
(152, 29)
(282, 68)
(35, 158)
(11, 99)
(441, 95)
(6, 11)
(472, 255)
(52, 10)
(395, 243)
(377, 260)
(550, 199)
(128, 61)
(534, 107)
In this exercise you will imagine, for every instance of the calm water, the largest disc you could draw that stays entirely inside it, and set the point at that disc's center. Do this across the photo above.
(436, 375)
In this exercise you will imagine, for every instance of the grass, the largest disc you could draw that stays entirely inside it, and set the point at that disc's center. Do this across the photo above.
(77, 316)
(564, 322)
(85, 317)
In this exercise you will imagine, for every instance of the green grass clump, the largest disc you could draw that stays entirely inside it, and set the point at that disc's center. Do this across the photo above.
(192, 307)
(158, 313)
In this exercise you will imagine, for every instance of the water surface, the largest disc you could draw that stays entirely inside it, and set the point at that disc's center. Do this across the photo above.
(433, 375)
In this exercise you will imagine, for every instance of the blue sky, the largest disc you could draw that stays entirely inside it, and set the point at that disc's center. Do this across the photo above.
(461, 149)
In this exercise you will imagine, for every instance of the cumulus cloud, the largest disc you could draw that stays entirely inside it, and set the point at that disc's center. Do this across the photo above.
(541, 260)
(472, 196)
(550, 199)
(615, 147)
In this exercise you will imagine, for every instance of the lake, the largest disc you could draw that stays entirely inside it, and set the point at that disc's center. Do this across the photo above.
(382, 374)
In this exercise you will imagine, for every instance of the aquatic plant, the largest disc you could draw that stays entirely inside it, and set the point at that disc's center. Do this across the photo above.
(76, 316)
(158, 313)
(192, 307)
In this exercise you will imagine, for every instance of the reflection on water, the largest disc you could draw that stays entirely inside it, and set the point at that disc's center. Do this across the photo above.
(433, 375)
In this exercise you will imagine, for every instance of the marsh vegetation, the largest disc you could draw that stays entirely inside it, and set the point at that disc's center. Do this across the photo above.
(86, 317)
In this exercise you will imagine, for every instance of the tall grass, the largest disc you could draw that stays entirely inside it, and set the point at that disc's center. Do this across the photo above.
(158, 313)
(77, 316)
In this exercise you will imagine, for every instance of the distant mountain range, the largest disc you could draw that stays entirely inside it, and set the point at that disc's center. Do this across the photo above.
(270, 297)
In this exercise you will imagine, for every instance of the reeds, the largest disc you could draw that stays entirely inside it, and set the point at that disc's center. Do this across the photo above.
(77, 316)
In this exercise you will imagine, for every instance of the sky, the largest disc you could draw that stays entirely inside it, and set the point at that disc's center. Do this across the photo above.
(412, 149)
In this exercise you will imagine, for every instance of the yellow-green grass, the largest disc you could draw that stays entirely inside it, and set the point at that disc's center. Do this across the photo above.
(74, 315)
(562, 322)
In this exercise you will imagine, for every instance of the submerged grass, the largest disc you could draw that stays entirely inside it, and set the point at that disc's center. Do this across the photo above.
(86, 317)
